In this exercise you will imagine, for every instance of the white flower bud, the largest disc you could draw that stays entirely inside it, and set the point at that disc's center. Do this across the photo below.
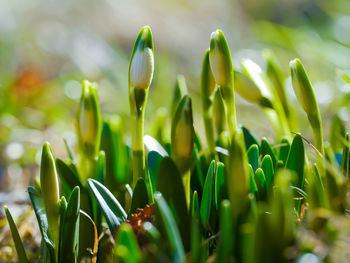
(142, 60)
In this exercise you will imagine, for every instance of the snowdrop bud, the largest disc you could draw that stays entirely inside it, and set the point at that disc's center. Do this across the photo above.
(220, 59)
(142, 60)
(182, 134)
(302, 87)
(89, 119)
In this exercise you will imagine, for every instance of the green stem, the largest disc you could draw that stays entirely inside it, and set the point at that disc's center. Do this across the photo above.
(138, 164)
(231, 120)
(186, 180)
(138, 98)
(316, 125)
(209, 132)
(229, 99)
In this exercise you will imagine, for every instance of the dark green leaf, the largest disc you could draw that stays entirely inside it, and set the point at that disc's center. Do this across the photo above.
(253, 156)
(220, 185)
(296, 160)
(249, 138)
(225, 245)
(261, 184)
(345, 161)
(267, 167)
(67, 174)
(39, 209)
(22, 257)
(267, 149)
(195, 229)
(170, 229)
(126, 248)
(284, 151)
(171, 186)
(207, 209)
(111, 209)
(153, 163)
(140, 196)
(69, 234)
(252, 184)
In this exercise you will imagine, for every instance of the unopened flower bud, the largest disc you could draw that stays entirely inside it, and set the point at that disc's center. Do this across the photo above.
(142, 60)
(50, 189)
(182, 134)
(220, 59)
(89, 119)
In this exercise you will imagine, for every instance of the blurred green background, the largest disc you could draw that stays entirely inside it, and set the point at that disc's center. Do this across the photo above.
(48, 47)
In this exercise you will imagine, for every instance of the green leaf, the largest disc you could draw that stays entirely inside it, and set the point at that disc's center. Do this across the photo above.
(267, 149)
(171, 186)
(284, 151)
(195, 229)
(253, 188)
(100, 169)
(345, 161)
(253, 156)
(140, 196)
(39, 210)
(153, 163)
(152, 234)
(261, 184)
(69, 151)
(220, 185)
(111, 209)
(337, 133)
(225, 244)
(67, 174)
(22, 257)
(113, 145)
(197, 177)
(296, 160)
(69, 234)
(167, 221)
(249, 138)
(127, 248)
(267, 167)
(316, 190)
(207, 210)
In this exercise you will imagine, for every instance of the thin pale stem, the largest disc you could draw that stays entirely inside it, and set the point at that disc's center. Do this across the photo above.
(209, 132)
(186, 180)
(138, 152)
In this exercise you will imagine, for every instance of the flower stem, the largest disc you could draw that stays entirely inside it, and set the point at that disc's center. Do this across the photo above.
(186, 180)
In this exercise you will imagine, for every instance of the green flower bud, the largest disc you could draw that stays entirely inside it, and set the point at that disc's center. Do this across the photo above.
(182, 134)
(89, 120)
(222, 69)
(50, 190)
(220, 59)
(259, 88)
(302, 87)
(247, 89)
(306, 97)
(142, 60)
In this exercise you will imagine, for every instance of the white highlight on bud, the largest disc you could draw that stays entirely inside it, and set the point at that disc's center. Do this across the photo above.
(217, 61)
(142, 67)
